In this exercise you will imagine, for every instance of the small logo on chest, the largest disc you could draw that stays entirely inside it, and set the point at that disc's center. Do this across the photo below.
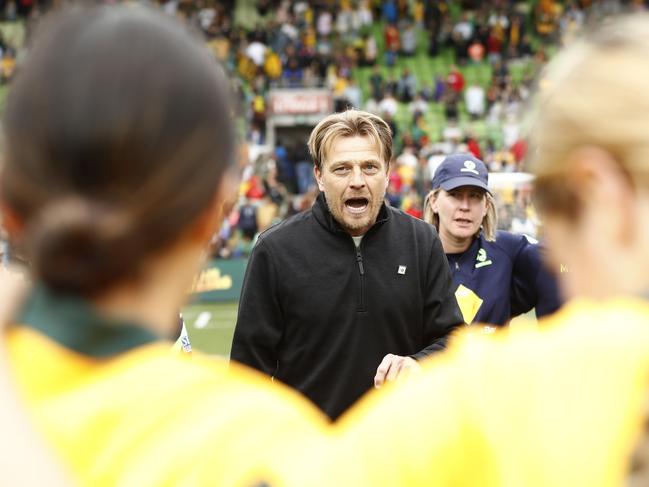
(401, 270)
(481, 259)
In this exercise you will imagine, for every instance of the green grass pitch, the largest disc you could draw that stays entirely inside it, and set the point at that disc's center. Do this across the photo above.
(210, 326)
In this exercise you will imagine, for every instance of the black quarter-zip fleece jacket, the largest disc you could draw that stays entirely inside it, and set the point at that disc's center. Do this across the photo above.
(319, 314)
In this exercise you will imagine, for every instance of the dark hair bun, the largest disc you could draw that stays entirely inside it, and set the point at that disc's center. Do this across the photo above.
(109, 165)
(79, 246)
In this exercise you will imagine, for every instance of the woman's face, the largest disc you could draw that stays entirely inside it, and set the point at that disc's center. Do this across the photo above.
(460, 211)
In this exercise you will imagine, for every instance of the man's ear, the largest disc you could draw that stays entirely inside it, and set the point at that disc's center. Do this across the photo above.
(604, 190)
(318, 177)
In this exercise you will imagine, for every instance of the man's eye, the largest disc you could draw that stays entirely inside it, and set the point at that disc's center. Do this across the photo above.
(340, 170)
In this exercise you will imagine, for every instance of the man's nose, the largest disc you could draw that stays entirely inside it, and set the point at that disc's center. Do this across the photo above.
(357, 179)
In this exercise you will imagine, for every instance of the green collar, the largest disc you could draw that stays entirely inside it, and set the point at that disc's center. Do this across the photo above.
(75, 324)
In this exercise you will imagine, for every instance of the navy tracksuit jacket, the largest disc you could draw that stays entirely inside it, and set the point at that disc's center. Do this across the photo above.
(496, 281)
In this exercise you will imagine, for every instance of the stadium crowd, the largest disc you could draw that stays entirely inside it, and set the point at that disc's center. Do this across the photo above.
(447, 76)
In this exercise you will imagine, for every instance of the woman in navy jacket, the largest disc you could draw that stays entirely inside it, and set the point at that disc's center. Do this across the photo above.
(497, 274)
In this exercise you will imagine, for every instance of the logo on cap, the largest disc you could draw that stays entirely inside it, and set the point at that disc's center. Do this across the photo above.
(469, 166)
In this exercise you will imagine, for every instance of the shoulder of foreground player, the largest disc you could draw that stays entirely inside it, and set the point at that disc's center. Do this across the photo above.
(415, 432)
(150, 417)
(586, 365)
(618, 327)
(271, 435)
(620, 323)
(231, 424)
(245, 390)
(534, 386)
(580, 323)
(201, 378)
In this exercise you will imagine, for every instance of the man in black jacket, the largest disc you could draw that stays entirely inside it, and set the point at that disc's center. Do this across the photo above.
(352, 284)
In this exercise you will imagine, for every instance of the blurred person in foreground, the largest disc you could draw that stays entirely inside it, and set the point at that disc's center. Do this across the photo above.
(497, 275)
(120, 152)
(565, 403)
(351, 292)
(25, 459)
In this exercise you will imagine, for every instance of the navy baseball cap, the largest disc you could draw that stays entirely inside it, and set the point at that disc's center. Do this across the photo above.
(461, 170)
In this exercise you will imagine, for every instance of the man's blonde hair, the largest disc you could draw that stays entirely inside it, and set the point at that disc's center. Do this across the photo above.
(489, 222)
(349, 124)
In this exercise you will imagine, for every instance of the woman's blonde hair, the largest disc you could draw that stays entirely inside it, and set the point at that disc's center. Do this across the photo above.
(489, 222)
(349, 124)
(593, 94)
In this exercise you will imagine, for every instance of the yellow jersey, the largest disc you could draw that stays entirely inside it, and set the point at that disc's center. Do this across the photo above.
(556, 405)
(122, 409)
(560, 404)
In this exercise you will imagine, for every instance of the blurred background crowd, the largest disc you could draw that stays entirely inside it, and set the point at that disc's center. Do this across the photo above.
(448, 76)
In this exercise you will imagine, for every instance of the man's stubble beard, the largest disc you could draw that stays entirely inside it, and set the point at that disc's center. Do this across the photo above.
(358, 224)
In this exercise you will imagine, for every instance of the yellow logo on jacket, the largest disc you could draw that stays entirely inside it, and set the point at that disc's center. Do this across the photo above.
(481, 259)
(468, 301)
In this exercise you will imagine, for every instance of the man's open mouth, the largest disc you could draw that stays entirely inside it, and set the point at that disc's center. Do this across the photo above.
(356, 205)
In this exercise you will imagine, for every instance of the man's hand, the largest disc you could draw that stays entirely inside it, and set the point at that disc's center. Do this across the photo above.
(394, 366)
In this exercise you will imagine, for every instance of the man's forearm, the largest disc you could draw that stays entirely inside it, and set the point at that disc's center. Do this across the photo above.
(437, 346)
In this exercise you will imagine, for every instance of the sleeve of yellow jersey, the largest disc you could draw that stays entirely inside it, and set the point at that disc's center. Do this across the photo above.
(559, 404)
